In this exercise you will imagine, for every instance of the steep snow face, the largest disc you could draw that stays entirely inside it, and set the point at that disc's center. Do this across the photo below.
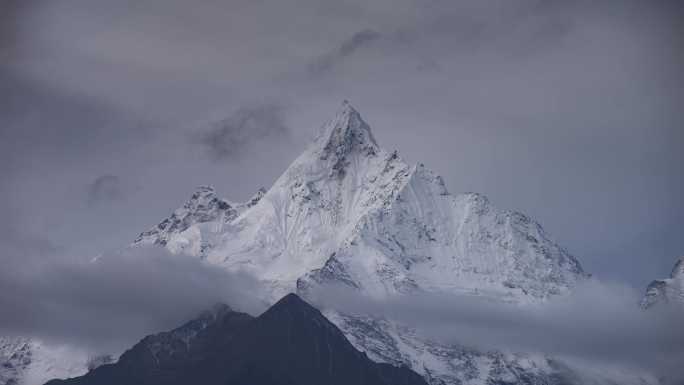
(669, 290)
(426, 239)
(347, 211)
(25, 361)
(387, 341)
(311, 209)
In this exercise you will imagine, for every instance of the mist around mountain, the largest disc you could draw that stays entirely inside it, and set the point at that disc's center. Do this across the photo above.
(290, 343)
(412, 275)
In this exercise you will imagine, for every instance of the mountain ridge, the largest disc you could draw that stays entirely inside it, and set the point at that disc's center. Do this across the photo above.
(283, 345)
(341, 193)
(346, 212)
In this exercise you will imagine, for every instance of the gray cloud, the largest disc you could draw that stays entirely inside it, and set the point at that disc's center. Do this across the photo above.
(596, 324)
(40, 123)
(237, 134)
(110, 303)
(105, 188)
(347, 48)
(357, 41)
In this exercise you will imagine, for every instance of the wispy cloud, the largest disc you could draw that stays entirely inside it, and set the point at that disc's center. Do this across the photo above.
(111, 302)
(348, 47)
(104, 189)
(597, 323)
(237, 134)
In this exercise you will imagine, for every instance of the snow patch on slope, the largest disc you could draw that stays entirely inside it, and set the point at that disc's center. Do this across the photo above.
(26, 361)
(669, 290)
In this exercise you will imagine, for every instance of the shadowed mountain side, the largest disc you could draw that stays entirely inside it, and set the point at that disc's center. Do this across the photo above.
(291, 343)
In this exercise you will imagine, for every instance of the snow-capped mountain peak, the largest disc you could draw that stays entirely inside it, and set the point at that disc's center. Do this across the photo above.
(202, 207)
(347, 211)
(345, 133)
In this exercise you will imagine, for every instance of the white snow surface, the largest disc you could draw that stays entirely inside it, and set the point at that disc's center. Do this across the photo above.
(666, 291)
(28, 361)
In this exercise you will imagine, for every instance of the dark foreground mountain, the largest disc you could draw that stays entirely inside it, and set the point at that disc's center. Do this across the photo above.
(289, 344)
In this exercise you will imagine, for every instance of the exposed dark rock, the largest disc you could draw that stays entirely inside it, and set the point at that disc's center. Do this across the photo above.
(291, 343)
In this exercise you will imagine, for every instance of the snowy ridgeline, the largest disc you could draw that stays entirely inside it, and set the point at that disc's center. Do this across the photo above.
(350, 212)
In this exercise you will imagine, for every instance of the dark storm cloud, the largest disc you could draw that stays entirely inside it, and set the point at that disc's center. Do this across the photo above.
(347, 48)
(597, 324)
(237, 134)
(105, 188)
(111, 302)
(358, 40)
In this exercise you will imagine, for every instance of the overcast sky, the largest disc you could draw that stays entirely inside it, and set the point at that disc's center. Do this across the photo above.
(111, 112)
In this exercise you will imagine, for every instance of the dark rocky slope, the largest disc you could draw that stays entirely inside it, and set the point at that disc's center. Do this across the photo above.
(291, 343)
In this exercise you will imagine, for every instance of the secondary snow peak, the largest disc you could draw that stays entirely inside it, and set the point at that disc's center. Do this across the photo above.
(202, 207)
(205, 196)
(668, 290)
